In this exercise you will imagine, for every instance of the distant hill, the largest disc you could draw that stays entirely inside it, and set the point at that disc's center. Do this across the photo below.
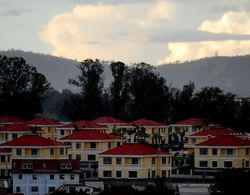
(229, 73)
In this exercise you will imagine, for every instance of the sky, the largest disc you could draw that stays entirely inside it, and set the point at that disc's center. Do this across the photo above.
(152, 31)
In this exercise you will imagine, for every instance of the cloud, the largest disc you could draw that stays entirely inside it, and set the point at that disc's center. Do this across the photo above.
(231, 22)
(108, 32)
(15, 12)
(196, 50)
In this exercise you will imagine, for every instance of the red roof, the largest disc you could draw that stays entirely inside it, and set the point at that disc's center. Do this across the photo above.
(226, 140)
(9, 120)
(43, 122)
(214, 132)
(145, 123)
(31, 141)
(45, 166)
(108, 120)
(134, 149)
(90, 135)
(191, 121)
(16, 127)
(83, 125)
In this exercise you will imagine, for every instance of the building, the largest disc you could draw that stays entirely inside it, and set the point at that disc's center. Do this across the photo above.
(47, 126)
(85, 145)
(202, 136)
(7, 120)
(223, 151)
(134, 161)
(5, 163)
(14, 131)
(69, 129)
(157, 132)
(44, 176)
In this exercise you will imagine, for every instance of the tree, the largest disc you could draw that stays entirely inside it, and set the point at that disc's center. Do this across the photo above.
(119, 88)
(21, 87)
(91, 83)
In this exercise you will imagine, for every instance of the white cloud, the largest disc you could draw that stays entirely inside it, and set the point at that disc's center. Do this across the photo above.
(108, 32)
(230, 22)
(196, 50)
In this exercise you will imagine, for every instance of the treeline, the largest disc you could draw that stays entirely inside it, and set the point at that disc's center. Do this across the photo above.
(136, 91)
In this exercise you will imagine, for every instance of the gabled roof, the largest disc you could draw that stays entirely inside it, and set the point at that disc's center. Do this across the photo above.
(39, 122)
(134, 149)
(9, 120)
(191, 121)
(213, 132)
(31, 141)
(83, 125)
(16, 127)
(90, 135)
(226, 140)
(144, 123)
(107, 120)
(46, 166)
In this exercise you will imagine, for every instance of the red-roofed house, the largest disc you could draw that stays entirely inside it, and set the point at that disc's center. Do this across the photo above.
(157, 131)
(134, 161)
(44, 176)
(6, 120)
(48, 126)
(86, 145)
(222, 151)
(202, 136)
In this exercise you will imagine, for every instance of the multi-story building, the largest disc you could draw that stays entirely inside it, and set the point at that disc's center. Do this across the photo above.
(134, 161)
(110, 122)
(32, 177)
(223, 151)
(14, 131)
(157, 132)
(70, 128)
(47, 126)
(86, 145)
(5, 163)
(7, 120)
(202, 136)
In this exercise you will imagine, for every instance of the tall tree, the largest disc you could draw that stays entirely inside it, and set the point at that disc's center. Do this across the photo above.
(119, 88)
(21, 87)
(91, 83)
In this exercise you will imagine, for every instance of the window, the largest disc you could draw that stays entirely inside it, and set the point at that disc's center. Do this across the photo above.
(164, 173)
(51, 177)
(228, 164)
(34, 177)
(109, 145)
(135, 161)
(153, 161)
(247, 151)
(203, 151)
(61, 177)
(91, 157)
(164, 160)
(118, 160)
(247, 163)
(70, 156)
(34, 152)
(118, 174)
(118, 144)
(62, 132)
(214, 151)
(132, 174)
(107, 173)
(20, 176)
(214, 164)
(230, 152)
(52, 189)
(61, 151)
(92, 145)
(193, 140)
(18, 152)
(78, 157)
(78, 145)
(72, 177)
(34, 188)
(153, 174)
(203, 163)
(2, 158)
(107, 160)
(14, 136)
(51, 151)
(18, 189)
